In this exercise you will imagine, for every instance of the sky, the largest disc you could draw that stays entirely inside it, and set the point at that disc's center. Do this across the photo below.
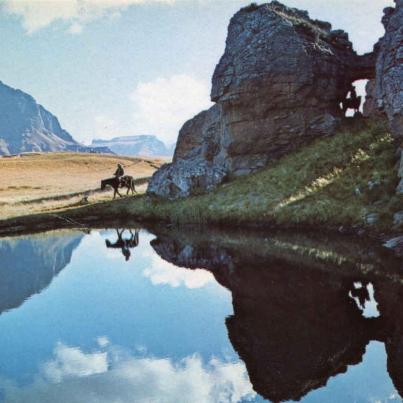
(110, 68)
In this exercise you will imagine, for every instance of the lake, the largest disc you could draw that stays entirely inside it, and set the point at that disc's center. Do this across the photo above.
(197, 315)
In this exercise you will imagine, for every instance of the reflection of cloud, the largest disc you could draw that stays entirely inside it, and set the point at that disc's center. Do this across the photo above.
(162, 272)
(71, 361)
(132, 380)
(102, 341)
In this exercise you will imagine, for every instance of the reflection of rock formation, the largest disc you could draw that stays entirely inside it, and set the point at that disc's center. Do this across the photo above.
(28, 265)
(294, 323)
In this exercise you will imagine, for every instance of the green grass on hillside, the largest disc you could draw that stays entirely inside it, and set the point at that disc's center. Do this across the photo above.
(335, 181)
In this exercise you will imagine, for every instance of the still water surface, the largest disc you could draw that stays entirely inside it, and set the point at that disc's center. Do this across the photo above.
(112, 316)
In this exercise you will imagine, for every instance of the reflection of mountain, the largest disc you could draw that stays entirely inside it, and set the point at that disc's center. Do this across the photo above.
(294, 324)
(28, 265)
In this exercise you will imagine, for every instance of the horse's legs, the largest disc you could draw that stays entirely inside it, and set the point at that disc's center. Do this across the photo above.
(116, 191)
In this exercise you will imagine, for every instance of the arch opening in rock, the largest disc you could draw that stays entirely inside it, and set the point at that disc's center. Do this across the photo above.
(355, 98)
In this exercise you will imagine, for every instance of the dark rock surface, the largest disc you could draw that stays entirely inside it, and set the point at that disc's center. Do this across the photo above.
(295, 322)
(389, 68)
(277, 86)
(142, 145)
(388, 92)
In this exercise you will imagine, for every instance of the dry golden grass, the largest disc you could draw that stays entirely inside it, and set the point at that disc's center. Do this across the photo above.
(40, 182)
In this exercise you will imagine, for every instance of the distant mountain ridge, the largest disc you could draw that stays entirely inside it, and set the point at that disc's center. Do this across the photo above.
(27, 126)
(146, 145)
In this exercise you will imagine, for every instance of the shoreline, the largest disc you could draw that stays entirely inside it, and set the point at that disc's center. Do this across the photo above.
(98, 216)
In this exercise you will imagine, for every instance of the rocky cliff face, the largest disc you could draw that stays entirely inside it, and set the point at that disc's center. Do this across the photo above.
(389, 68)
(200, 159)
(278, 85)
(388, 86)
(144, 145)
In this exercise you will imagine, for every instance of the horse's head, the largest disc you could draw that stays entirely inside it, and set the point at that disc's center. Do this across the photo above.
(103, 184)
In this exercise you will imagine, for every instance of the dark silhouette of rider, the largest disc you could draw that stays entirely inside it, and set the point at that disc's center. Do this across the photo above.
(124, 244)
(119, 171)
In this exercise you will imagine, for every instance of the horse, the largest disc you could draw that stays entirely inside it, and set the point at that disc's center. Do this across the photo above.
(128, 181)
(116, 183)
(351, 103)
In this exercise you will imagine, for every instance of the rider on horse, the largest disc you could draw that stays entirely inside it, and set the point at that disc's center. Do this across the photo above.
(119, 171)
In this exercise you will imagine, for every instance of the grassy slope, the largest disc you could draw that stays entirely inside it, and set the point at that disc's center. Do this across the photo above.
(325, 183)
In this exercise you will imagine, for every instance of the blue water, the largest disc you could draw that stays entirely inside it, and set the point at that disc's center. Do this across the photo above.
(99, 328)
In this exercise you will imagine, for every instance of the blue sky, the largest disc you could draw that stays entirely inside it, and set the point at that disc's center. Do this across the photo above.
(108, 68)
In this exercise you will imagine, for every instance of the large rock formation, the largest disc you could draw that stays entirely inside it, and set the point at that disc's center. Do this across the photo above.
(280, 82)
(142, 145)
(27, 126)
(278, 85)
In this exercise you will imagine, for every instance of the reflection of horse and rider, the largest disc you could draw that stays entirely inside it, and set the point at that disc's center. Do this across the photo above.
(119, 180)
(125, 244)
(352, 102)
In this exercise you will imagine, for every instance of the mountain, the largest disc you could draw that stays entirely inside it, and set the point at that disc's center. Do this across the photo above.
(146, 145)
(27, 126)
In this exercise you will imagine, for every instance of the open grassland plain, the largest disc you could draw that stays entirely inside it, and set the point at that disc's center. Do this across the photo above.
(43, 182)
(347, 180)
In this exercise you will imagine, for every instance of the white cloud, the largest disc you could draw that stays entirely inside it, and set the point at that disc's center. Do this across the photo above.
(162, 106)
(161, 272)
(132, 379)
(36, 15)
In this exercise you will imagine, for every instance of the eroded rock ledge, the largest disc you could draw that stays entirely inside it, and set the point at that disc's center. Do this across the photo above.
(278, 85)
